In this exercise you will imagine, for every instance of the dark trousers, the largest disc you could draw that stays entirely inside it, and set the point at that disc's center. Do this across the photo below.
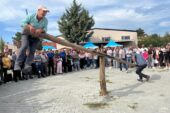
(1, 75)
(50, 66)
(16, 75)
(124, 65)
(45, 68)
(7, 77)
(69, 67)
(39, 69)
(82, 62)
(64, 65)
(139, 71)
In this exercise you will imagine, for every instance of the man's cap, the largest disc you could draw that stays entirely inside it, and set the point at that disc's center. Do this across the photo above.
(43, 8)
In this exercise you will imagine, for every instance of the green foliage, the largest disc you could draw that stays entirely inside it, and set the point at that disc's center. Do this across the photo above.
(166, 38)
(17, 39)
(140, 32)
(2, 44)
(155, 40)
(75, 23)
(17, 36)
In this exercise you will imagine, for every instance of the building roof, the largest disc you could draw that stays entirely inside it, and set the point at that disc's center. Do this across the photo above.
(113, 29)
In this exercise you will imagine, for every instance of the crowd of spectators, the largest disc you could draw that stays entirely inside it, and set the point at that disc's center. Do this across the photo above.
(58, 62)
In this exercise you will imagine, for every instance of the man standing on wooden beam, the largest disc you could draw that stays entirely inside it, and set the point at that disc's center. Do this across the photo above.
(37, 24)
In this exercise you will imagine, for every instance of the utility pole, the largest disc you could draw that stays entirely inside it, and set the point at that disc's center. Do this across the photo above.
(26, 11)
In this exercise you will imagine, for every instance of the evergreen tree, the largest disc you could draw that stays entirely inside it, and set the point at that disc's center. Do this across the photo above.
(2, 44)
(17, 39)
(140, 33)
(75, 23)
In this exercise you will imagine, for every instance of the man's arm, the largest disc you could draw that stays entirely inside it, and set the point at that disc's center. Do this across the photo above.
(26, 24)
(26, 21)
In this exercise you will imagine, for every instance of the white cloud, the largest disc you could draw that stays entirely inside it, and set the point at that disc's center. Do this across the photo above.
(165, 24)
(57, 6)
(53, 28)
(96, 3)
(11, 10)
(8, 12)
(107, 13)
(144, 4)
(127, 17)
(118, 14)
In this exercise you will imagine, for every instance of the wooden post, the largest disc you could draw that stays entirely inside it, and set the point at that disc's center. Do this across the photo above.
(103, 89)
(100, 54)
(66, 43)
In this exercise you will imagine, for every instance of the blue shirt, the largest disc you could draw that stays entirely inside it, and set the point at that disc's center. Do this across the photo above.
(50, 55)
(140, 59)
(32, 20)
(62, 54)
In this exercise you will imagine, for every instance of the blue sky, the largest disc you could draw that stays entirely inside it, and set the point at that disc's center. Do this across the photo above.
(151, 15)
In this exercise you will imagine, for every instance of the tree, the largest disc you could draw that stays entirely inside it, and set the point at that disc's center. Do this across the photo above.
(154, 40)
(2, 44)
(166, 38)
(75, 23)
(88, 35)
(140, 33)
(17, 39)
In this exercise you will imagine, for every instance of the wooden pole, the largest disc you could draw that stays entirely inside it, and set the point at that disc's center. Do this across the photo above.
(78, 47)
(103, 89)
(67, 43)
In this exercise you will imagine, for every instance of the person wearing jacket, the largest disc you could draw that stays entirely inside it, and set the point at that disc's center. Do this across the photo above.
(141, 65)
(6, 61)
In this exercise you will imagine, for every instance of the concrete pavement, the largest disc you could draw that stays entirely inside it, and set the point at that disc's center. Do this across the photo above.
(78, 92)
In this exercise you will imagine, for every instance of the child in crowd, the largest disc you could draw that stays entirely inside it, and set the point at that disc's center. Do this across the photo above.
(59, 64)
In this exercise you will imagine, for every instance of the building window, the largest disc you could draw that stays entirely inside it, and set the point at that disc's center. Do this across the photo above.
(105, 39)
(125, 37)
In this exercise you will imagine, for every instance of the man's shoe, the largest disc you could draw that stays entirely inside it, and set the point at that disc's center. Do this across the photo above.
(148, 77)
(140, 80)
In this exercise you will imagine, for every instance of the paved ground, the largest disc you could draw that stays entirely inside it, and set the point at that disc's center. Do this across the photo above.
(78, 92)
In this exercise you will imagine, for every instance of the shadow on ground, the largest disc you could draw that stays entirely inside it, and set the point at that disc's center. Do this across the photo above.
(128, 90)
(125, 91)
(154, 78)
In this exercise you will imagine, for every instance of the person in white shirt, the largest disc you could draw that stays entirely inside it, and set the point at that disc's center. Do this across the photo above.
(122, 55)
(129, 55)
(110, 53)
